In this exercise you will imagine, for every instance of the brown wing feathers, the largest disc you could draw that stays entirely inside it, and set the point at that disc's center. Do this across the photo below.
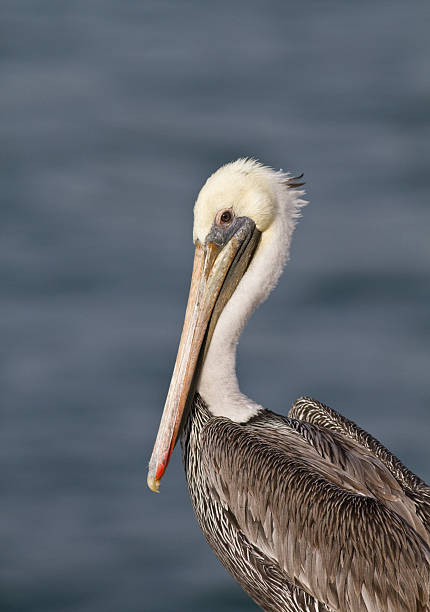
(328, 532)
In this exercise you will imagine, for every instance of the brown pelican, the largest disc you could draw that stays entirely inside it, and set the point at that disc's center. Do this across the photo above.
(307, 512)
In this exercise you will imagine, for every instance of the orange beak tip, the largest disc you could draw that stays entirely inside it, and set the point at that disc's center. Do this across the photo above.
(153, 484)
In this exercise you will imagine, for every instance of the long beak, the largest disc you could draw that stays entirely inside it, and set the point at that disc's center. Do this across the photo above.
(217, 270)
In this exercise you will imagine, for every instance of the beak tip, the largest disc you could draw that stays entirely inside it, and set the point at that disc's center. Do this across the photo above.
(153, 483)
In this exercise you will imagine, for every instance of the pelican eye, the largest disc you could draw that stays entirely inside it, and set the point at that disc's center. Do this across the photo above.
(224, 217)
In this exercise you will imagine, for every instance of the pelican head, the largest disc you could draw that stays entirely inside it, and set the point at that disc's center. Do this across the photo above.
(244, 217)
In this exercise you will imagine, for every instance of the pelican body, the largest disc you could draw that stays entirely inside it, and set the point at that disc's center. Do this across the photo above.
(308, 511)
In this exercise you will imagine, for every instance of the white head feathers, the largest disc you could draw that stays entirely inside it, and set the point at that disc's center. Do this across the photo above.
(251, 190)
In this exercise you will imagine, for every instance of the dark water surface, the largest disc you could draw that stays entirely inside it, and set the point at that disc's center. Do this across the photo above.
(112, 114)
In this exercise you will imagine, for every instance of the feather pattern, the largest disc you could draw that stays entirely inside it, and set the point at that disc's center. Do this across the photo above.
(309, 512)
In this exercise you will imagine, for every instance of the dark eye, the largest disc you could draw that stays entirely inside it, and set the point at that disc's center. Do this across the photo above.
(225, 217)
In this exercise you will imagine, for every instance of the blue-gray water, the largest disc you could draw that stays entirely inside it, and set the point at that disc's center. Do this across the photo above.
(112, 114)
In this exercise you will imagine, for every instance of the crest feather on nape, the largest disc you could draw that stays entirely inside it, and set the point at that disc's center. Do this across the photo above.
(292, 181)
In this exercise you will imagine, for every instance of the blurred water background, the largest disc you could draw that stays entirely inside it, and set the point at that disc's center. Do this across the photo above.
(112, 114)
